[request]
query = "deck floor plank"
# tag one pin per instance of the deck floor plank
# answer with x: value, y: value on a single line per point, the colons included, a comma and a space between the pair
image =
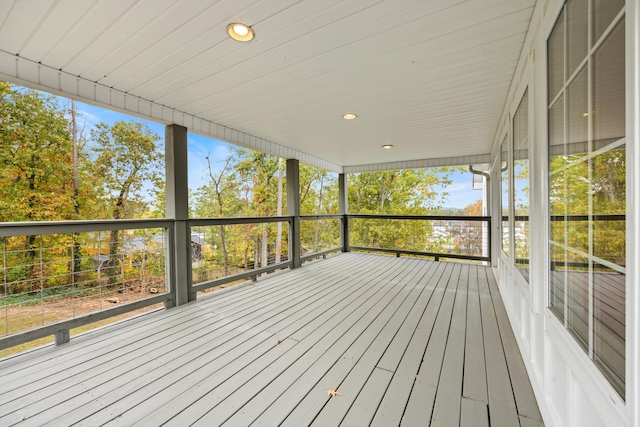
x: 359, y: 358
x: 525, y: 400
x: 475, y: 368
x: 422, y: 399
x: 404, y: 340
x: 406, y: 363
x: 340, y: 325
x: 292, y: 389
x: 502, y: 404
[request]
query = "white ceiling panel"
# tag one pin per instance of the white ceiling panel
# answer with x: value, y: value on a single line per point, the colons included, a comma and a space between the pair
x: 428, y: 76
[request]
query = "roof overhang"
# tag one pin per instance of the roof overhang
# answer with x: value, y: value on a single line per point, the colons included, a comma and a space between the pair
x: 429, y: 77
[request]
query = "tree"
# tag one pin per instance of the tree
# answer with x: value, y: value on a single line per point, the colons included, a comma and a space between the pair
x: 257, y: 172
x: 127, y: 156
x: 36, y: 157
x: 474, y: 209
x: 318, y: 195
x: 35, y: 164
x: 221, y: 184
x: 400, y: 192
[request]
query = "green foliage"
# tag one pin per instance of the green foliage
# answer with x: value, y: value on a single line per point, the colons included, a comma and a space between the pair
x: 35, y: 157
x: 126, y: 157
x: 408, y: 192
x: 402, y: 192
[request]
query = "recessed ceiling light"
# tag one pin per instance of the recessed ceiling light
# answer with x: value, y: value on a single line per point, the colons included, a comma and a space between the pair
x: 240, y: 32
x: 387, y: 146
x: 349, y: 116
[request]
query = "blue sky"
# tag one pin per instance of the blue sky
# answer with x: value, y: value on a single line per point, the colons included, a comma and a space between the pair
x: 460, y: 191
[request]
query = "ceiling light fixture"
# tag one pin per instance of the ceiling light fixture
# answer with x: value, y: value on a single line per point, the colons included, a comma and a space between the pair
x: 349, y: 116
x: 387, y: 146
x: 240, y: 32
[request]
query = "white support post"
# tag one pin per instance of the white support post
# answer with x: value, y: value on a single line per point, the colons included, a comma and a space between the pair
x: 177, y: 206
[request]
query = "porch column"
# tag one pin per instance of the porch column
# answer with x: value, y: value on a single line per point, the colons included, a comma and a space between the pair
x: 177, y: 208
x: 343, y: 209
x: 293, y: 209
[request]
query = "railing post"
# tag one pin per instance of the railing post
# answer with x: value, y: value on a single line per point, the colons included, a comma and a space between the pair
x: 177, y: 208
x: 343, y: 209
x: 293, y: 210
x: 62, y: 336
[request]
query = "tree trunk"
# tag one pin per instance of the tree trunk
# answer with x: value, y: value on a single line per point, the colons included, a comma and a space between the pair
x: 114, y: 241
x: 77, y: 254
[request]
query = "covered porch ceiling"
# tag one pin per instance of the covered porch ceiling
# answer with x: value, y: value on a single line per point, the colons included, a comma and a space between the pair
x: 430, y: 77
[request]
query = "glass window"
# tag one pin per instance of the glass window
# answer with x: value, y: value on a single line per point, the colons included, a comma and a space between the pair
x: 555, y: 58
x: 504, y: 161
x: 604, y: 11
x: 587, y: 194
x: 521, y: 185
x: 577, y: 23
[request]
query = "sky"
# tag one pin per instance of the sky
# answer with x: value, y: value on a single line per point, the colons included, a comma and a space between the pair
x: 460, y: 191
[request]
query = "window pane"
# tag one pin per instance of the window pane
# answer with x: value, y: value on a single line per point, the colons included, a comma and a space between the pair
x: 577, y: 26
x: 504, y: 158
x: 609, y: 197
x: 577, y: 115
x: 578, y: 298
x: 557, y: 275
x: 577, y: 201
x: 609, y: 89
x: 556, y: 135
x: 609, y: 324
x: 555, y: 60
x: 521, y: 185
x: 603, y: 13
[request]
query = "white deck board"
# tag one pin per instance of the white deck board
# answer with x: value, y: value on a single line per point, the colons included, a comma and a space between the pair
x: 404, y: 340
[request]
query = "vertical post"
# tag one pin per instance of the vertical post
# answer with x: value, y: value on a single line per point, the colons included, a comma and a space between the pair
x: 293, y: 209
x: 343, y: 209
x: 177, y: 207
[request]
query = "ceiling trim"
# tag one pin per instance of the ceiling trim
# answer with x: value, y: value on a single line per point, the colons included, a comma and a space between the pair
x: 25, y: 72
x: 424, y: 163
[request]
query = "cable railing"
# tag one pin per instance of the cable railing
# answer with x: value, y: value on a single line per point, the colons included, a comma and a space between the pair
x: 57, y: 276
x: 320, y: 235
x: 227, y: 250
x: 439, y: 237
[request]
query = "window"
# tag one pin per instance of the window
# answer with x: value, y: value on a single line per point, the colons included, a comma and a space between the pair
x: 504, y: 162
x: 521, y: 186
x: 587, y: 194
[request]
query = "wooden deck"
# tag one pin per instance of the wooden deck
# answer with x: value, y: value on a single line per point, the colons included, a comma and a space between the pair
x: 404, y: 341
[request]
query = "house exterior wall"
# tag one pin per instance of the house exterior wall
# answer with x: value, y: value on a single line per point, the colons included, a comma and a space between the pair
x: 570, y: 389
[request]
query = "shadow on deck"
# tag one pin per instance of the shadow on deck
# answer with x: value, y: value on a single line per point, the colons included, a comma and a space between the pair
x: 400, y: 340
